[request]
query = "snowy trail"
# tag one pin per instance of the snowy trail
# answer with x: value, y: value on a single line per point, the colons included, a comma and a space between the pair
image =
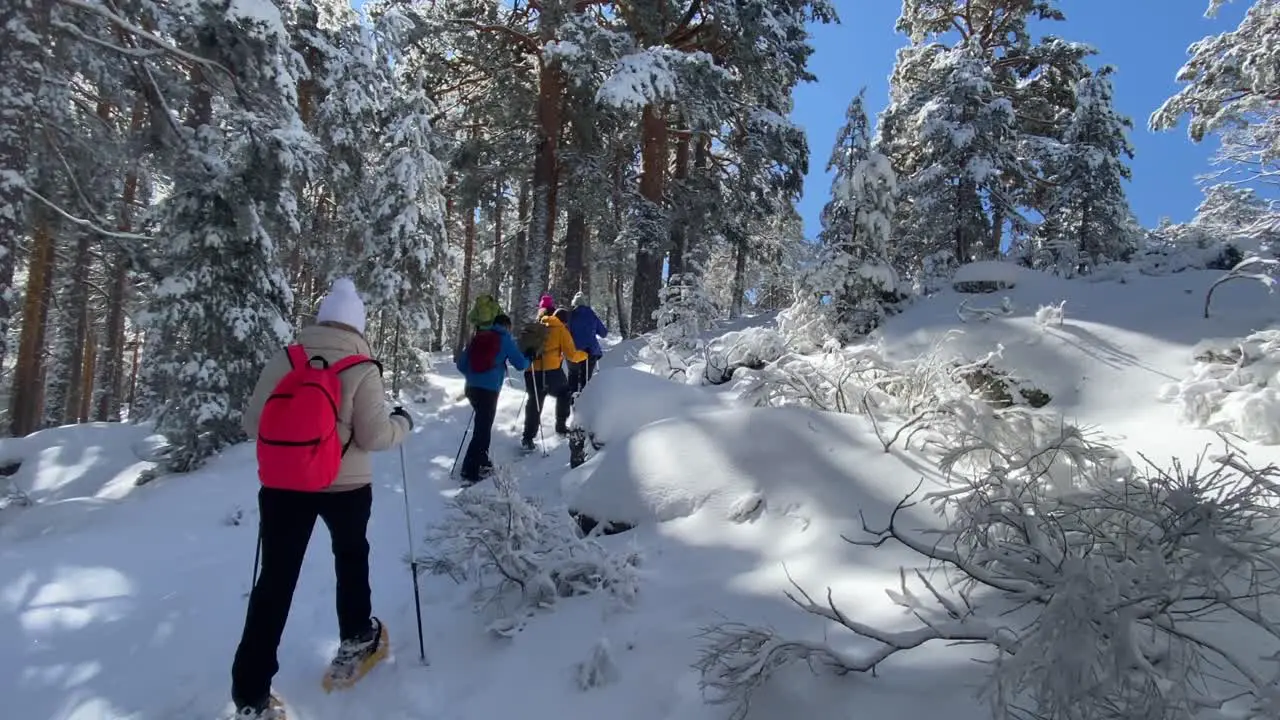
x: 142, y: 621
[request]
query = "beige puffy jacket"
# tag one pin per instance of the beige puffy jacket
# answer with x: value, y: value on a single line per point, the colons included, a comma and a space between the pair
x: 363, y: 407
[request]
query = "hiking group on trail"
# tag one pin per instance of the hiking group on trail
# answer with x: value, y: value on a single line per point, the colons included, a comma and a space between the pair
x: 317, y: 412
x: 543, y: 347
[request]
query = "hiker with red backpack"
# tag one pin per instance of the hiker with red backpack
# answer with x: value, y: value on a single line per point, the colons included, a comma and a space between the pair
x: 484, y: 365
x: 317, y: 412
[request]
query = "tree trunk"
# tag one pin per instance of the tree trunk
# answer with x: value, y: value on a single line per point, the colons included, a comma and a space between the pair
x: 519, y: 254
x: 138, y: 340
x: 997, y: 234
x: 495, y: 273
x: 464, y: 297
x: 87, y: 368
x: 739, y: 289
x: 542, y: 221
x: 575, y: 250
x: 623, y: 329
x: 680, y: 227
x: 24, y: 409
x: 111, y: 368
x: 24, y: 30
x: 652, y: 240
x: 77, y: 309
x: 437, y: 317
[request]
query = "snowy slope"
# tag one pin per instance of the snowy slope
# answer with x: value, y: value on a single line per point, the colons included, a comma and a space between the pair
x: 133, y: 610
x: 1117, y: 346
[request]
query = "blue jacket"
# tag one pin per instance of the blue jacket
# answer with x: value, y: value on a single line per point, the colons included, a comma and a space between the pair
x: 492, y: 378
x: 585, y: 325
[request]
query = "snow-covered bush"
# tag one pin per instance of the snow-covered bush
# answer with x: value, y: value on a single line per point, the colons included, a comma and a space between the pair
x: 1052, y: 314
x: 1233, y: 387
x: 1102, y: 598
x: 673, y: 362
x: 806, y: 326
x: 599, y: 669
x: 749, y: 348
x: 683, y: 312
x: 521, y: 556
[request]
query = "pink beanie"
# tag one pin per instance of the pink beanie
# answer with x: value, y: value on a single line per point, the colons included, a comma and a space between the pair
x: 547, y: 303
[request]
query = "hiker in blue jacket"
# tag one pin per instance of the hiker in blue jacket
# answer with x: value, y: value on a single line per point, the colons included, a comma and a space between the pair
x: 586, y: 328
x: 484, y: 365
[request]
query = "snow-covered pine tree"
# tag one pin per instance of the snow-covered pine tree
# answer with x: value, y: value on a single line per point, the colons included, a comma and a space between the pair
x: 1088, y: 221
x: 1036, y: 78
x: 402, y: 248
x: 854, y: 272
x: 219, y: 313
x: 1231, y: 91
x: 953, y: 139
x: 24, y: 29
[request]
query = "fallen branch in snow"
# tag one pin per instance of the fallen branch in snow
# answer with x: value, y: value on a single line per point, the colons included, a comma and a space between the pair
x: 1097, y: 588
x: 510, y: 546
x: 966, y: 313
x: 1238, y: 273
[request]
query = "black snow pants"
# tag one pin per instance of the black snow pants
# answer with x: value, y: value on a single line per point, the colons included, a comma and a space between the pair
x: 485, y: 404
x: 539, y: 384
x: 580, y: 373
x: 287, y: 518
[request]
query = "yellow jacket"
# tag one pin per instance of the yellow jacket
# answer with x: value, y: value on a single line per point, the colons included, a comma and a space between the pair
x: 559, y: 345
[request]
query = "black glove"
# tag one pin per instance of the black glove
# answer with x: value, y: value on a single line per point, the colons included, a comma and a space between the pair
x: 402, y: 413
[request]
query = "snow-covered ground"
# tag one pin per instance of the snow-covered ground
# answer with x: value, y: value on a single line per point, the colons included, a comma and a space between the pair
x: 119, y: 601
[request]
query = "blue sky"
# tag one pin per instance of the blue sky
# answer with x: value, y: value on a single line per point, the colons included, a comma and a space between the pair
x: 1146, y: 41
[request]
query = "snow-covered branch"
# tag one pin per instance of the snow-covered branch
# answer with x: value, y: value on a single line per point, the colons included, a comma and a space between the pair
x: 521, y: 556
x: 1097, y: 587
x: 1246, y: 269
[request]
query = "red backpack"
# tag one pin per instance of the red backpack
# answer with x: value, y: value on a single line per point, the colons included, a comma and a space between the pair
x: 482, y: 354
x: 298, y: 446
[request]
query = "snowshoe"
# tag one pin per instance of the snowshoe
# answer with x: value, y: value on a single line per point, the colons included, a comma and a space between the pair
x: 272, y: 709
x: 527, y: 445
x: 356, y: 657
x: 595, y: 444
x: 562, y: 429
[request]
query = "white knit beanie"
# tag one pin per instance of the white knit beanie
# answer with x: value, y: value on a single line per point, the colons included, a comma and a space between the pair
x: 342, y: 305
x: 579, y: 300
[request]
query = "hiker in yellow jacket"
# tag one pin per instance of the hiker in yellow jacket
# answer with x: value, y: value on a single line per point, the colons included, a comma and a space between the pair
x: 546, y: 376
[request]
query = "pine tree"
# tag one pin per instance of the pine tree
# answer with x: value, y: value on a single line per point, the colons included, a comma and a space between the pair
x: 1088, y: 222
x: 854, y: 270
x: 953, y: 162
x: 219, y: 313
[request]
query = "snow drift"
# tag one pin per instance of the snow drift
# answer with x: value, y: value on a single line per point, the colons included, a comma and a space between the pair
x: 618, y: 401
x: 733, y: 465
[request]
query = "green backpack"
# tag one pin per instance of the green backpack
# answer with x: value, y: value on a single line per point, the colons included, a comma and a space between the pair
x: 532, y: 338
x: 485, y: 309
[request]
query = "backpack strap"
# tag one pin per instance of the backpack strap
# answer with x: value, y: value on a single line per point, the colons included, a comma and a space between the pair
x: 347, y: 363
x: 351, y: 361
x: 297, y: 356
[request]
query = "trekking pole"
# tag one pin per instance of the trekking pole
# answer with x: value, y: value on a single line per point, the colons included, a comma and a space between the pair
x: 537, y: 405
x: 465, y: 430
x: 257, y: 555
x: 404, y: 489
